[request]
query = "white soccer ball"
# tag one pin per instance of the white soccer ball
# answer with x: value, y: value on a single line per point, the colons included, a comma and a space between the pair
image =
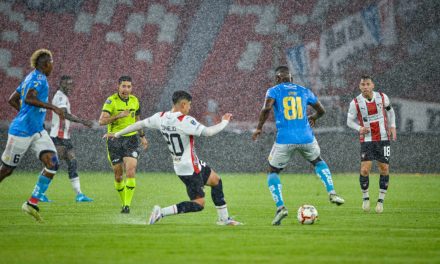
x: 307, y: 214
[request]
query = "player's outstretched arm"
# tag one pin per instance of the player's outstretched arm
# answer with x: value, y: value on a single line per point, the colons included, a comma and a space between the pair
x: 31, y: 99
x: 215, y: 129
x: 76, y: 119
x: 14, y: 100
x: 141, y: 133
x: 134, y: 127
x: 264, y: 115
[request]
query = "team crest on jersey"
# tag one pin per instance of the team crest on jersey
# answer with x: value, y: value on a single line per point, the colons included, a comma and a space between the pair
x: 40, y: 77
x: 193, y: 122
x: 134, y: 154
x: 108, y: 101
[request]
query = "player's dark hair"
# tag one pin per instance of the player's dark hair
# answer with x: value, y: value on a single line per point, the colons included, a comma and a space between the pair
x: 124, y: 78
x: 281, y: 68
x: 366, y: 77
x: 282, y: 74
x: 181, y: 95
x: 65, y: 78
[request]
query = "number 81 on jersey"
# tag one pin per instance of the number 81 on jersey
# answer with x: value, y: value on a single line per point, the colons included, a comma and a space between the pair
x: 292, y: 108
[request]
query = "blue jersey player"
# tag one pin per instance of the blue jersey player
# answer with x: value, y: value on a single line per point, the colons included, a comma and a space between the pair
x: 294, y: 133
x: 26, y: 131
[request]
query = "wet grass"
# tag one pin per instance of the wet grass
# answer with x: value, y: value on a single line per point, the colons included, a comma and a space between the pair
x: 407, y: 232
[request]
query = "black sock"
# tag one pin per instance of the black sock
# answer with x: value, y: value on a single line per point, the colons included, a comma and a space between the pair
x: 72, y: 166
x: 383, y: 182
x: 187, y: 207
x: 364, y: 181
x: 217, y: 194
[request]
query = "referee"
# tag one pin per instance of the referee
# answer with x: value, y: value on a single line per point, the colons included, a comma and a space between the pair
x: 119, y: 111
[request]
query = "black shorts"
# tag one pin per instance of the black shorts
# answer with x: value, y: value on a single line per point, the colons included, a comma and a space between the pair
x: 119, y: 148
x: 195, y: 183
x: 376, y: 150
x: 61, y: 142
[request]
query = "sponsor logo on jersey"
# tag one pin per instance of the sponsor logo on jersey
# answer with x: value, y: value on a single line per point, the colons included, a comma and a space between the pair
x: 193, y: 122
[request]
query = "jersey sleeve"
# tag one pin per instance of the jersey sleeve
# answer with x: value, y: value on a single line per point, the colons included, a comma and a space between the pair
x: 152, y: 121
x: 191, y: 126
x: 352, y: 109
x: 271, y: 94
x: 59, y: 101
x: 386, y: 100
x: 108, y: 106
x: 311, y: 98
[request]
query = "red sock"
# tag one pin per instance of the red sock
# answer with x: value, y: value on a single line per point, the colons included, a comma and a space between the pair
x: 33, y: 200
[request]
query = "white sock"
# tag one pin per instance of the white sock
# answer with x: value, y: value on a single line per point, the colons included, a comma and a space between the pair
x: 365, y: 194
x: 222, y: 212
x: 76, y: 185
x: 382, y: 194
x: 170, y: 210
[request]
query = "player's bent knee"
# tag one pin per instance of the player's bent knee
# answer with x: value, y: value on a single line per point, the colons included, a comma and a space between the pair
x: 200, y: 202
x: 53, y: 164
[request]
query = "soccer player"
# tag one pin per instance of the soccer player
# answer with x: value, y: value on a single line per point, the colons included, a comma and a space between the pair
x: 178, y: 130
x: 119, y: 111
x: 376, y: 125
x: 26, y: 131
x: 60, y: 134
x: 294, y: 133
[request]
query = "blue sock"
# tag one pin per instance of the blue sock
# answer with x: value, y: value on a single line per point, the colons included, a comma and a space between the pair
x: 273, y: 180
x: 322, y: 170
x: 41, y: 186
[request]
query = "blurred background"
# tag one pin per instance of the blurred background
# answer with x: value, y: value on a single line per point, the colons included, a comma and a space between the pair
x: 224, y: 53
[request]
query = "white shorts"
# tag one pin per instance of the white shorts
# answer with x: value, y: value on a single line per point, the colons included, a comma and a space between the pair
x: 281, y: 154
x: 17, y: 147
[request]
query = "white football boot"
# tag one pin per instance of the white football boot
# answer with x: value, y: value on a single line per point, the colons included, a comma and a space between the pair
x: 379, y: 207
x: 366, y: 204
x: 32, y: 210
x: 280, y: 215
x: 228, y: 222
x: 155, y: 215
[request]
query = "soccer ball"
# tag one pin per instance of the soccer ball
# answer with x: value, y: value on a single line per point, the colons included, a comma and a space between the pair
x: 307, y: 214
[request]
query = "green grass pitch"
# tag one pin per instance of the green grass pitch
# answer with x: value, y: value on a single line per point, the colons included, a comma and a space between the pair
x: 407, y: 232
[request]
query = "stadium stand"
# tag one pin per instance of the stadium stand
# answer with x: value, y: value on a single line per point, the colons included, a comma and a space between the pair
x: 95, y: 42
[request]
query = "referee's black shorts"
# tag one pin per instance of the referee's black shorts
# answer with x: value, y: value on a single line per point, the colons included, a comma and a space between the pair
x: 119, y: 148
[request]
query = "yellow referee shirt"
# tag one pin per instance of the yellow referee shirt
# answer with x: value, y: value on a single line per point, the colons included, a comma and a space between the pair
x: 114, y: 105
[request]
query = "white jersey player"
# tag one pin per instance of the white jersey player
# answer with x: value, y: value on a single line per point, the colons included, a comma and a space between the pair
x: 60, y: 126
x: 376, y: 125
x: 179, y: 130
x: 60, y: 134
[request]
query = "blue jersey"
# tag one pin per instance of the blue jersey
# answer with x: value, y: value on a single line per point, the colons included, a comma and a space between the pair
x: 290, y: 111
x: 30, y: 119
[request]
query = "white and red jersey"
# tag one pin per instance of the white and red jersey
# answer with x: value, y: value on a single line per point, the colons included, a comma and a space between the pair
x: 371, y: 114
x: 60, y: 127
x: 178, y: 131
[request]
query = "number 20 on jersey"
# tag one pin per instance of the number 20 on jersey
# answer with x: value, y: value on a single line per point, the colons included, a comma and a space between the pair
x: 292, y: 108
